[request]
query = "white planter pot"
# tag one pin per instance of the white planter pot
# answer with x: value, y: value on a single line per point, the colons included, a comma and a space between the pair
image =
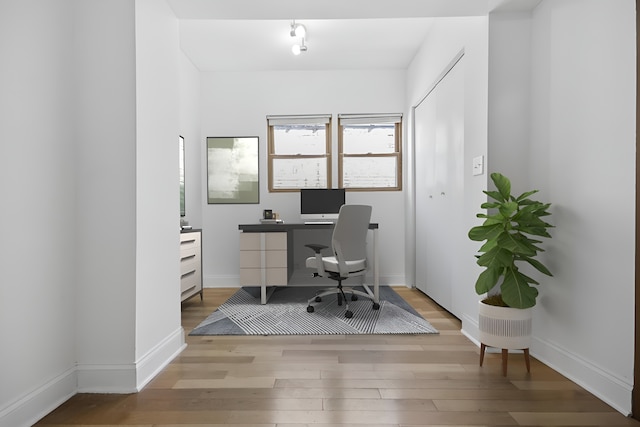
x: 505, y: 327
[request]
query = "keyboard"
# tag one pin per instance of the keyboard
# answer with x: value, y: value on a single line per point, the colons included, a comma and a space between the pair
x: 317, y: 222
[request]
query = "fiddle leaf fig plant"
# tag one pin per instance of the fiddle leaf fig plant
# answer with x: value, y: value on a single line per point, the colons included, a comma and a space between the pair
x: 510, y: 234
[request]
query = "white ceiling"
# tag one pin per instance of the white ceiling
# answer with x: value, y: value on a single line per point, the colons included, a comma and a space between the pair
x: 249, y: 35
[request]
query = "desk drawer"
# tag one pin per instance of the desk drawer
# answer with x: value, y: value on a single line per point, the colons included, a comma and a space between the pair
x: 273, y: 276
x: 253, y: 259
x: 190, y: 280
x: 189, y: 252
x: 189, y: 240
x: 272, y: 241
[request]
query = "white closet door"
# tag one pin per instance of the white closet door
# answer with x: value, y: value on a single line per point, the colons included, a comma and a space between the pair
x: 439, y: 149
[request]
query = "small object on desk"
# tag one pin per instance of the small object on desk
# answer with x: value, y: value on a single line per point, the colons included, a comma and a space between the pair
x: 267, y: 214
x: 271, y: 221
x: 186, y: 227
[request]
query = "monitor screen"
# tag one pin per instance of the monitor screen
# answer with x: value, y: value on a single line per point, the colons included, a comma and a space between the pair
x: 321, y: 203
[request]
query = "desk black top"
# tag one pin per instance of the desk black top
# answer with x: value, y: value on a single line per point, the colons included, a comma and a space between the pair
x: 267, y: 228
x: 190, y: 230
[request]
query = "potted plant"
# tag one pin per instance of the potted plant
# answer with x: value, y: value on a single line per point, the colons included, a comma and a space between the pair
x: 510, y: 233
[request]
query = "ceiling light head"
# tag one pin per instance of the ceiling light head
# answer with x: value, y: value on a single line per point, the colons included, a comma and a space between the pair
x: 297, y: 30
x: 298, y: 48
x: 300, y: 31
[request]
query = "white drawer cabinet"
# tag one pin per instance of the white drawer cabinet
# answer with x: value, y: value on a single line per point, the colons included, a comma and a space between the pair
x: 190, y: 264
x: 263, y: 259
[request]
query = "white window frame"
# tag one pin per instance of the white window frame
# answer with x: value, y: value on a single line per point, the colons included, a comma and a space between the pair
x: 272, y: 156
x: 396, y: 155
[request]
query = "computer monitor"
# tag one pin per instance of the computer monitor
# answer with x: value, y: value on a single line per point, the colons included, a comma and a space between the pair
x: 321, y: 204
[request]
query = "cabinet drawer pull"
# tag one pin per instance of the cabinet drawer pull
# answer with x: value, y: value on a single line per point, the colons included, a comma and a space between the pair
x: 188, y: 289
x: 188, y: 273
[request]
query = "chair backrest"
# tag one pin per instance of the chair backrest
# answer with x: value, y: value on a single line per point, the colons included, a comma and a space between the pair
x: 350, y: 232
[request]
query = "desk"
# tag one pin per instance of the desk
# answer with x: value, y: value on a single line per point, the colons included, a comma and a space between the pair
x: 267, y: 254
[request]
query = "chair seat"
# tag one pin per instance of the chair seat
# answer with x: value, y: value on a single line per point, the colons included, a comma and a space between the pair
x: 331, y: 265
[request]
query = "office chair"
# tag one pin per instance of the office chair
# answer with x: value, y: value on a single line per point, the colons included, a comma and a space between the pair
x: 349, y: 258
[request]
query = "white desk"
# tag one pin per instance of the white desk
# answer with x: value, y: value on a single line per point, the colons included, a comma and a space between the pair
x: 266, y: 259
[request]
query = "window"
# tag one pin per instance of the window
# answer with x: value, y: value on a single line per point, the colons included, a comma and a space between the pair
x: 299, y: 152
x: 369, y: 147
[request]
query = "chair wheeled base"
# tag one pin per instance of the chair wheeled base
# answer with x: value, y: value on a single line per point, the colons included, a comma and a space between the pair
x: 342, y: 293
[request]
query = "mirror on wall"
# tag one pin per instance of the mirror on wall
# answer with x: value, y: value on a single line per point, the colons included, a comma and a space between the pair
x: 181, y: 154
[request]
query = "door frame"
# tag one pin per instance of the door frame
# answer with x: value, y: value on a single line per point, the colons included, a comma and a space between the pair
x: 635, y: 394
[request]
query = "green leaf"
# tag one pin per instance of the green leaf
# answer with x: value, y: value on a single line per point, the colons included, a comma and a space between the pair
x: 535, y: 231
x: 523, y: 196
x: 488, y: 245
x: 495, y: 258
x: 514, y: 243
x: 508, y: 208
x: 516, y: 291
x: 487, y: 280
x: 490, y: 205
x: 538, y: 266
x: 495, y: 195
x: 502, y: 184
x: 483, y: 232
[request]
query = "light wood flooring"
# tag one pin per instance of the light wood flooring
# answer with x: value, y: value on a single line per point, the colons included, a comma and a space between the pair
x: 373, y: 381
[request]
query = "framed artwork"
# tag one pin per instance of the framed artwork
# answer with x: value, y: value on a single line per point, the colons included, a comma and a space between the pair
x: 232, y: 170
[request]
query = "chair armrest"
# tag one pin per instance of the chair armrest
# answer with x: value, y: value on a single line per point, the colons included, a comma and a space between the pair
x: 317, y: 248
x: 319, y: 262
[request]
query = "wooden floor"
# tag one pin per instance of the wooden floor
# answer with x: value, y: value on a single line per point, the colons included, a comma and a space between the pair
x: 373, y: 381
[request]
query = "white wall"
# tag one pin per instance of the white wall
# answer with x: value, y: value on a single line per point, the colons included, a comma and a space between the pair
x: 509, y: 123
x: 105, y: 157
x: 159, y: 334
x: 190, y: 129
x: 236, y: 104
x: 37, y: 183
x: 583, y: 159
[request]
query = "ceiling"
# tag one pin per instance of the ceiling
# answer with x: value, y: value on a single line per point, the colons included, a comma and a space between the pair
x: 251, y: 35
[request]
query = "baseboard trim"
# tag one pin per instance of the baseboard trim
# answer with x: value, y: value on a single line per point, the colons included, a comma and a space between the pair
x: 130, y: 377
x: 119, y: 379
x: 606, y: 386
x: 33, y: 406
x: 159, y: 357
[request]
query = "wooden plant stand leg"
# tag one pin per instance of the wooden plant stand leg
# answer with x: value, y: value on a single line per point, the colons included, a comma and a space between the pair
x: 505, y: 357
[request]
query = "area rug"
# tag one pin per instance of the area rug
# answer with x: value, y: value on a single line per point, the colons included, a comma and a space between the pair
x: 286, y: 314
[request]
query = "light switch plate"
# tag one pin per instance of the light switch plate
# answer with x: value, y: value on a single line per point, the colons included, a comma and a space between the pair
x: 478, y: 165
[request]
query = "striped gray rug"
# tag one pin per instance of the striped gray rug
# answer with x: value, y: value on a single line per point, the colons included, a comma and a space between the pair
x: 286, y: 314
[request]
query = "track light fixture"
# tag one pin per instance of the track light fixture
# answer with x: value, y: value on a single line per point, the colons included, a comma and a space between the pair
x: 298, y: 48
x: 298, y: 31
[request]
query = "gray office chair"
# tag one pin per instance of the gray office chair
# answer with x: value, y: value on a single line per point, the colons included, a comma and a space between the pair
x: 349, y: 245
